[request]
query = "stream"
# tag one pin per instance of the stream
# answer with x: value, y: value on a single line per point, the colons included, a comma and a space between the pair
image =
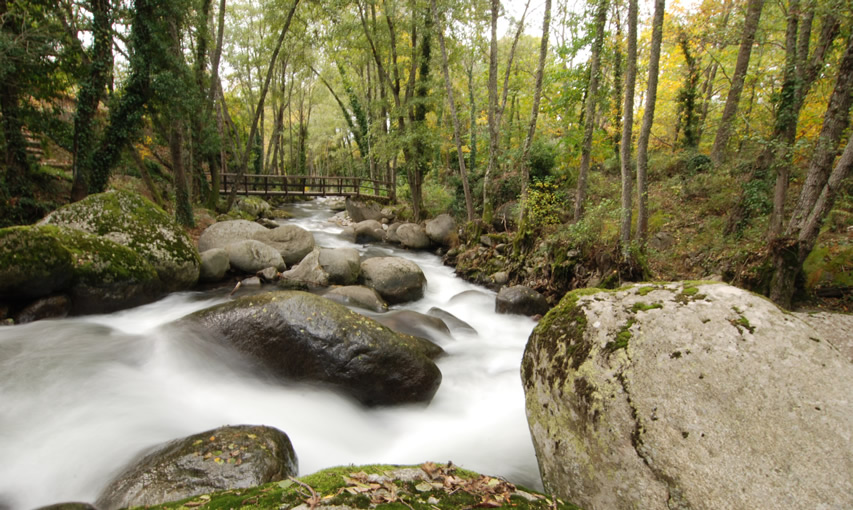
x: 81, y: 397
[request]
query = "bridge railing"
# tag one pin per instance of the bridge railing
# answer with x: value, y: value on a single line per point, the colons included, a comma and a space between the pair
x: 302, y: 185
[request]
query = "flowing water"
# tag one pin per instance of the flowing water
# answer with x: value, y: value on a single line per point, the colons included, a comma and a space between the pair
x: 82, y: 397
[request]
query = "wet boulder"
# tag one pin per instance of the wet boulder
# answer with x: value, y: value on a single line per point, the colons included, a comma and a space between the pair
x: 442, y: 230
x: 358, y: 296
x: 452, y: 321
x: 343, y: 265
x: 223, y: 233
x: 303, y: 337
x: 369, y: 231
x: 309, y: 271
x: 414, y: 323
x: 521, y: 300
x: 359, y: 210
x: 214, y: 264
x: 51, y: 307
x: 686, y: 395
x: 396, y: 279
x: 412, y: 235
x: 231, y: 457
x: 133, y: 221
x: 251, y: 256
x: 292, y: 242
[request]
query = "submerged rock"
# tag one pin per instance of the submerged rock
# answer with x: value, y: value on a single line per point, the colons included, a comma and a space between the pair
x: 358, y: 296
x: 414, y: 323
x: 300, y: 336
x: 521, y: 300
x: 230, y: 457
x: 699, y: 396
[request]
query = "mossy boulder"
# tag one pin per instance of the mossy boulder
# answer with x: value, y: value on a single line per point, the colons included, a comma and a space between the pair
x: 33, y: 262
x: 256, y: 207
x: 689, y: 395
x: 135, y: 222
x: 300, y: 336
x: 98, y: 274
x: 231, y: 457
x: 381, y: 487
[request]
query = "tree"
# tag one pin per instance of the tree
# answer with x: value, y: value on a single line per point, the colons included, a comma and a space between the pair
x: 818, y: 192
x: 627, y: 126
x: 589, y: 116
x: 753, y: 14
x: 469, y: 205
x: 648, y: 118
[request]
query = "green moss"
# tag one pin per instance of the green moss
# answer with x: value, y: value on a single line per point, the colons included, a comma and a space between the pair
x: 645, y: 289
x: 644, y: 307
x: 622, y: 338
x: 33, y: 261
x: 742, y: 322
x: 99, y: 261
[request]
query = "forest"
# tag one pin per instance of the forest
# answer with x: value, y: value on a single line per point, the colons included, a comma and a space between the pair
x: 718, y: 126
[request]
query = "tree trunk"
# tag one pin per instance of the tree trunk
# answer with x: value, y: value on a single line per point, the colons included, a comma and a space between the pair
x: 592, y: 99
x: 648, y: 118
x: 463, y: 175
x: 753, y: 14
x: 91, y: 92
x: 493, y: 112
x: 818, y: 191
x: 534, y: 114
x: 254, y: 127
x: 627, y: 126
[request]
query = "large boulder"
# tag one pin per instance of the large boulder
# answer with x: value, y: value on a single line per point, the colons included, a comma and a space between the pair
x: 135, y: 222
x: 520, y: 300
x: 343, y: 265
x: 256, y: 207
x: 220, y: 235
x: 251, y: 256
x: 358, y: 296
x: 300, y: 336
x: 412, y: 235
x: 396, y: 279
x: 368, y: 231
x: 291, y: 241
x: 231, y: 457
x: 98, y: 274
x: 359, y: 211
x: 698, y: 396
x: 309, y: 271
x: 442, y: 230
x: 214, y: 264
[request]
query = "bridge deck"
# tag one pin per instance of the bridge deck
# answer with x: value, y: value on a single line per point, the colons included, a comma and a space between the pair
x: 305, y: 186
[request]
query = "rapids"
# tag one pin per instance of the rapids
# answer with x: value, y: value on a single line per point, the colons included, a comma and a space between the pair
x: 82, y: 397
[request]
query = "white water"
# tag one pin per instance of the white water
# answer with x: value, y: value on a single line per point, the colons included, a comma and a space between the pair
x: 81, y: 397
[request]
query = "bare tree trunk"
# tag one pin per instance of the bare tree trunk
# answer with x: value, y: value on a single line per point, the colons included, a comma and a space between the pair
x: 534, y: 113
x: 493, y: 112
x: 254, y: 128
x: 648, y: 118
x: 753, y: 14
x: 469, y: 205
x: 627, y: 126
x: 589, y: 126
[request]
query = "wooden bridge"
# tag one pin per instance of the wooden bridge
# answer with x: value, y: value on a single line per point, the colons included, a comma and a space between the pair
x: 305, y: 186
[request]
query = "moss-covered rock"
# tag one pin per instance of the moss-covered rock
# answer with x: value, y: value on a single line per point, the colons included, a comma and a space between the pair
x: 33, y: 262
x: 425, y: 487
x: 231, y: 457
x: 256, y: 207
x: 135, y: 222
x: 98, y: 274
x: 300, y: 336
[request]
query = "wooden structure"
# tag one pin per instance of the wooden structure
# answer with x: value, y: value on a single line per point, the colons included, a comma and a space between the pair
x: 305, y: 186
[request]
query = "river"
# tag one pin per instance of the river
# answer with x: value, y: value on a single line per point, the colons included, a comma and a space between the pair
x: 82, y: 397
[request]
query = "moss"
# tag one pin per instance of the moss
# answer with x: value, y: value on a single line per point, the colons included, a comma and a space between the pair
x: 645, y: 289
x: 33, y: 261
x: 622, y: 338
x: 742, y: 322
x: 99, y: 261
x: 446, y: 487
x: 644, y: 307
